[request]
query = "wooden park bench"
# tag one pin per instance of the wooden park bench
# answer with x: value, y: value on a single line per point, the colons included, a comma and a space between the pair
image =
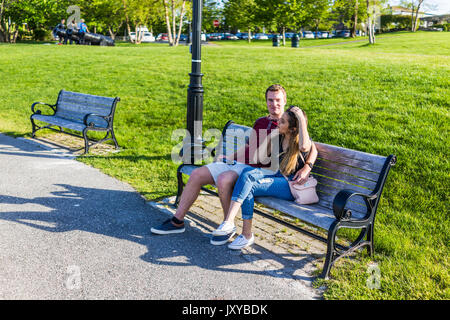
x: 350, y: 184
x: 79, y: 112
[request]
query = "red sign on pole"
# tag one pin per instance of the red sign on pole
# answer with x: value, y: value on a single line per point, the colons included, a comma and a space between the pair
x: 216, y: 23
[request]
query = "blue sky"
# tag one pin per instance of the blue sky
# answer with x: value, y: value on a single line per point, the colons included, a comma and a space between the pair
x: 443, y: 6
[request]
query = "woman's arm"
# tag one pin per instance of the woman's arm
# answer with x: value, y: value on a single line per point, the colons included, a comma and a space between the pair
x: 302, y: 175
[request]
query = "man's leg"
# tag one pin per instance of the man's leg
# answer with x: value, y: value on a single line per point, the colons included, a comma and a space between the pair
x: 225, y: 185
x: 199, y: 177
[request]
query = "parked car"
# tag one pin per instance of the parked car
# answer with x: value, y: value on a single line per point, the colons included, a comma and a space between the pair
x: 261, y: 36
x: 215, y: 36
x: 321, y: 34
x: 229, y: 36
x: 148, y: 37
x: 342, y: 33
x: 162, y: 37
x: 243, y: 36
x: 289, y: 35
x: 308, y: 35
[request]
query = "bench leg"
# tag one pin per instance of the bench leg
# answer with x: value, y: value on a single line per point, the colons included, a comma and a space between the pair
x: 329, y: 260
x: 33, y: 129
x: 370, y: 249
x: 180, y: 187
x: 113, y: 136
x: 86, y: 142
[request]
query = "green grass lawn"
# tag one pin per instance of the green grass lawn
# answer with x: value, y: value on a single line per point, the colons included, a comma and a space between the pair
x: 390, y: 98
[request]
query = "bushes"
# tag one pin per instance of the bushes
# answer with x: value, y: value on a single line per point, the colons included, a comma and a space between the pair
x: 42, y: 35
x: 398, y: 22
x: 444, y: 26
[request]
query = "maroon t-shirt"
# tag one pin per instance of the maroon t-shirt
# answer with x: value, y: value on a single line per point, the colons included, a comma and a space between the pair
x: 263, y: 126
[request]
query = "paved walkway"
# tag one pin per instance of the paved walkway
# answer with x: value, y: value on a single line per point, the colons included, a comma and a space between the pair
x: 68, y: 231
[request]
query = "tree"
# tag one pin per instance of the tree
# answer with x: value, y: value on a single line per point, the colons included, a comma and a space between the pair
x: 373, y: 7
x: 317, y: 13
x: 172, y: 10
x: 141, y: 13
x: 350, y: 12
x: 414, y: 6
x: 240, y: 14
x: 104, y: 15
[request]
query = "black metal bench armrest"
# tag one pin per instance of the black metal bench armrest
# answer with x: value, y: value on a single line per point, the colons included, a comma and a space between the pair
x: 85, y: 119
x: 52, y: 106
x: 341, y: 199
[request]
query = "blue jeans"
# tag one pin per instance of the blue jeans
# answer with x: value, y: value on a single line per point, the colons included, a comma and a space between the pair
x: 252, y: 182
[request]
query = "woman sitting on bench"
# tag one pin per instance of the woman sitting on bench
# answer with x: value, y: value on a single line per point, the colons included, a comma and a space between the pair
x: 295, y: 145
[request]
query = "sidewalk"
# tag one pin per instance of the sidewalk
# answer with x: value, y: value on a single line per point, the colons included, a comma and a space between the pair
x: 69, y: 231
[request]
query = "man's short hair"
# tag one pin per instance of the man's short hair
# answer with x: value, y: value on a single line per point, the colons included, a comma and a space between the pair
x: 275, y: 88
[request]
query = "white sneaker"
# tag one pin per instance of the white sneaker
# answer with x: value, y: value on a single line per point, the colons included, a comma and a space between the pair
x: 224, y: 229
x: 241, y: 242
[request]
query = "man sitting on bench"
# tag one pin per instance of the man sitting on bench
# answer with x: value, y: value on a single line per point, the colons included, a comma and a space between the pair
x: 224, y: 175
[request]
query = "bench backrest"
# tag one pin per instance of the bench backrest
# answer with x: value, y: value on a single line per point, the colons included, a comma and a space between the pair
x: 74, y: 106
x: 335, y: 169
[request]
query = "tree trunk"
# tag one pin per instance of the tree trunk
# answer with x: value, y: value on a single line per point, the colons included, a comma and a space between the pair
x: 370, y: 27
x: 355, y: 21
x: 127, y: 19
x: 416, y: 17
x: 284, y: 36
x: 169, y: 31
x: 181, y: 23
x: 249, y: 35
x: 173, y: 24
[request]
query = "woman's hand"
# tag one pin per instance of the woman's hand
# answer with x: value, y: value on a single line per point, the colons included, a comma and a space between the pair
x: 302, y: 175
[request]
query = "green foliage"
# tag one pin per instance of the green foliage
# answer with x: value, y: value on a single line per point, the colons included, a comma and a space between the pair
x: 389, y: 21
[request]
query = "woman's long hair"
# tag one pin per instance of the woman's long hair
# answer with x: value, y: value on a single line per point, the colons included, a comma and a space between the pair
x: 291, y: 155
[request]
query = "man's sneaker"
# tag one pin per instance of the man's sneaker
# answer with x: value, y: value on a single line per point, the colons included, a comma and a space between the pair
x: 224, y: 229
x: 241, y: 242
x: 168, y: 227
x: 219, y: 239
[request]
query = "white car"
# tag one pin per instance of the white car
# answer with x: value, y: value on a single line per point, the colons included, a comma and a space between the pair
x: 308, y: 35
x: 148, y: 37
x: 261, y: 36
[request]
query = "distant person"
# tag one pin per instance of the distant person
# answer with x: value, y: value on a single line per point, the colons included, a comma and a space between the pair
x: 82, y: 29
x: 60, y: 27
x: 71, y: 29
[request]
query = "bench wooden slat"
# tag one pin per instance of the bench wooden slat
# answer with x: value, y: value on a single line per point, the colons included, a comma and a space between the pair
x: 350, y: 157
x: 86, y: 98
x: 329, y: 165
x: 312, y: 214
x: 319, y: 172
x: 83, y: 108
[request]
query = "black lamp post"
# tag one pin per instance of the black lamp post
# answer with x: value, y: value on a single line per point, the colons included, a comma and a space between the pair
x: 194, y: 116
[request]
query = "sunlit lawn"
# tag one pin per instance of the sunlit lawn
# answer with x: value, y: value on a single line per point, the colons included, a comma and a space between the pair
x: 391, y: 98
